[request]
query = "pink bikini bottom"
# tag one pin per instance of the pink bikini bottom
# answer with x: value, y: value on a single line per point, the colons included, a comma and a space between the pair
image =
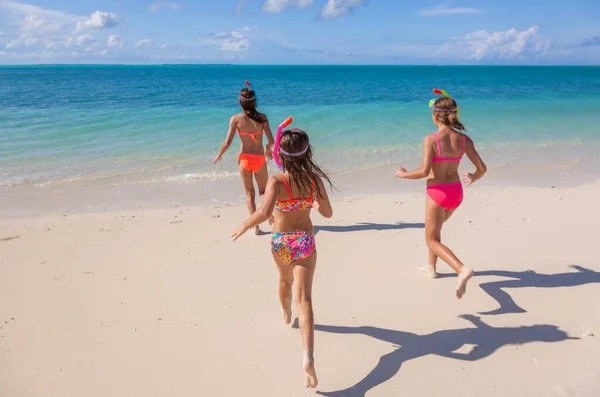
x: 448, y: 196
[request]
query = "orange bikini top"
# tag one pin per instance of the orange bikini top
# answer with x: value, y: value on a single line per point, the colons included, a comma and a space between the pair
x: 250, y: 134
x: 295, y: 204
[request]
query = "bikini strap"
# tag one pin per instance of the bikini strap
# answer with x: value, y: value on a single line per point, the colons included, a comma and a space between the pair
x: 287, y: 187
x: 464, y: 145
x: 439, y: 147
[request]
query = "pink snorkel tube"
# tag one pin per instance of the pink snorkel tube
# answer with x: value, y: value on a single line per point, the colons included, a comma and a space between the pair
x: 287, y: 122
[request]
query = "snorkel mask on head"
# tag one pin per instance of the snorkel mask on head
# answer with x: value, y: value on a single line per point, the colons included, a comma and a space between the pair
x: 445, y: 94
x: 254, y: 97
x: 276, y: 147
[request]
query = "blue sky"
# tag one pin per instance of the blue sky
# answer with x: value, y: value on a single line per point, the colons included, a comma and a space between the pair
x: 300, y: 31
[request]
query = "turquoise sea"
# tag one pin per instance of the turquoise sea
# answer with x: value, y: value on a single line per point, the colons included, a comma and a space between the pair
x: 115, y: 125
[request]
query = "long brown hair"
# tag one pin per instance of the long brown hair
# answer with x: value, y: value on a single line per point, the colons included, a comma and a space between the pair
x: 303, y: 171
x: 248, y: 104
x: 448, y: 113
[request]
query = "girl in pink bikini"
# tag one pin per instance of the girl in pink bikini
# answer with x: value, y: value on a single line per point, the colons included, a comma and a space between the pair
x: 292, y: 194
x: 252, y: 160
x: 442, y: 153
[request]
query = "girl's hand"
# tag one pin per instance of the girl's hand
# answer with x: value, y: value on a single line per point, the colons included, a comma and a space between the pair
x: 315, y: 204
x: 468, y: 179
x: 219, y: 157
x: 400, y: 172
x: 239, y: 232
x: 269, y: 152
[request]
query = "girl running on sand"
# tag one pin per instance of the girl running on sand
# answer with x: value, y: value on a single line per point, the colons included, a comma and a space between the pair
x: 292, y: 195
x: 252, y: 160
x: 442, y: 153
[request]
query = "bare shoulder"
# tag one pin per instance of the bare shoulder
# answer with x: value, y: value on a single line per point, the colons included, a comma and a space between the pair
x: 429, y: 139
x: 468, y: 140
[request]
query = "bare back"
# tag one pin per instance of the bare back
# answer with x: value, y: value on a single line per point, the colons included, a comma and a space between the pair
x: 448, y: 147
x: 299, y: 219
x: 250, y: 132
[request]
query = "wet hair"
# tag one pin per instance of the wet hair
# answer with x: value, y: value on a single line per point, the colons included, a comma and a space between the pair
x: 446, y: 112
x: 248, y: 104
x: 303, y: 171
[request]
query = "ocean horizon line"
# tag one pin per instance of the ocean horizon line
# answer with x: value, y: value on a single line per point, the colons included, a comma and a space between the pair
x: 303, y: 65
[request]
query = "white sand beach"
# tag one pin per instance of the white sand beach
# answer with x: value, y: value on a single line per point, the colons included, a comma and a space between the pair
x: 160, y: 302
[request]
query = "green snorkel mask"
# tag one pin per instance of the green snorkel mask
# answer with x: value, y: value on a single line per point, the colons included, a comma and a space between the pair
x: 445, y: 94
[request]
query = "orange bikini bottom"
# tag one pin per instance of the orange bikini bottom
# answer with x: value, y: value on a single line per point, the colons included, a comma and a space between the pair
x: 252, y: 162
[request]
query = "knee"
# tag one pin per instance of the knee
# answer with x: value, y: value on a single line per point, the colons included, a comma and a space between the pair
x: 431, y: 238
x: 250, y: 194
x: 287, y: 281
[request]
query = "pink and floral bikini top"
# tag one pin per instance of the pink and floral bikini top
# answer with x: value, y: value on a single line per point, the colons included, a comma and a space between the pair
x: 294, y: 204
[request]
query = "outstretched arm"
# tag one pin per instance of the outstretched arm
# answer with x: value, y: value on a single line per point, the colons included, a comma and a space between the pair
x: 228, y: 141
x: 271, y: 140
x: 425, y: 167
x: 263, y: 213
x: 480, y: 166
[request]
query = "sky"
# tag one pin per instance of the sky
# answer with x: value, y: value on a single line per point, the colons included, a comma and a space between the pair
x: 300, y: 31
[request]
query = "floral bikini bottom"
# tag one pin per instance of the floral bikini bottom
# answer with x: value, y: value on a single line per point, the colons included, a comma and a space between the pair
x: 292, y: 246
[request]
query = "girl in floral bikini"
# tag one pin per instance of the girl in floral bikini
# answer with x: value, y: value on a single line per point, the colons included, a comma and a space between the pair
x: 292, y: 195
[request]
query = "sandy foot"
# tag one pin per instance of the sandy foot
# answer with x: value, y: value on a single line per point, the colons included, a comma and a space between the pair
x: 463, y: 277
x: 429, y: 271
x: 310, y: 377
x: 257, y: 230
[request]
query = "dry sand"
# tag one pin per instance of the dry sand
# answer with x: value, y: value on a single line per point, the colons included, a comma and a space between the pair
x: 161, y: 302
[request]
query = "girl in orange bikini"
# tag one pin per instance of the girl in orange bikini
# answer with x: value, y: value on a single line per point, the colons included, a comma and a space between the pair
x: 252, y: 160
x: 442, y: 152
x: 292, y: 195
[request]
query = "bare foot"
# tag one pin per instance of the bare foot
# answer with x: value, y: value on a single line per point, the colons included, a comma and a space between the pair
x: 463, y: 277
x: 310, y: 377
x: 257, y: 230
x: 286, y: 310
x: 429, y: 271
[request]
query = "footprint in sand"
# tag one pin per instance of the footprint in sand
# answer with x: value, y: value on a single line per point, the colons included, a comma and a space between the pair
x: 9, y: 238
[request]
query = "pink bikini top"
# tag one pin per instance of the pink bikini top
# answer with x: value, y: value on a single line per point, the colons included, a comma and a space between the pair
x: 439, y: 159
x: 294, y: 204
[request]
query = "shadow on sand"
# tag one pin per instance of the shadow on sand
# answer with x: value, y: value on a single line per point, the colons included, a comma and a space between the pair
x: 364, y: 226
x: 487, y: 340
x: 531, y: 279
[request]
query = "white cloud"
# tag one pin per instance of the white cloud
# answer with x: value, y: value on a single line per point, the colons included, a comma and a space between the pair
x: 144, y: 43
x: 115, y: 41
x: 22, y: 42
x: 155, y: 7
x: 100, y: 20
x: 335, y: 9
x: 235, y: 41
x: 81, y: 41
x: 38, y: 24
x: 277, y: 6
x: 511, y: 44
x: 443, y: 10
x: 16, y: 8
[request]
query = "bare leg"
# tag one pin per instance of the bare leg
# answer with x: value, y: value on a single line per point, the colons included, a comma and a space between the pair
x: 434, y: 219
x: 262, y: 177
x: 304, y: 271
x: 286, y: 279
x: 431, y: 270
x: 250, y: 193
